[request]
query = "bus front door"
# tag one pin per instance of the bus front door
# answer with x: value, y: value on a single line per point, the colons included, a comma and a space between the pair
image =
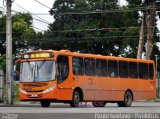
x: 64, y: 82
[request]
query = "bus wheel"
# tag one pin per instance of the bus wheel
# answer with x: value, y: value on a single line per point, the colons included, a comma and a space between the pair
x: 128, y: 98
x: 75, y: 99
x: 99, y: 103
x: 45, y: 103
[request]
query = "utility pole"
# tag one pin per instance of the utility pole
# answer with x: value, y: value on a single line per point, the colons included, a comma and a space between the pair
x: 9, y: 62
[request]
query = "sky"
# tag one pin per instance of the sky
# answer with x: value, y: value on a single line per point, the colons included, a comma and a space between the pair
x: 36, y: 8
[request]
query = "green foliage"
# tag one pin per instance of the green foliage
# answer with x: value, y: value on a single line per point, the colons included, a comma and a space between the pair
x: 77, y: 37
x: 2, y: 24
x: 70, y: 30
x: 26, y: 17
x: 93, y: 41
x: 19, y: 25
x: 110, y: 29
x: 3, y: 61
x: 22, y: 32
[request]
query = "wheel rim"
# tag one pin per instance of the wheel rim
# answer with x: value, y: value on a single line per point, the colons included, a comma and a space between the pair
x: 128, y: 98
x: 76, y: 98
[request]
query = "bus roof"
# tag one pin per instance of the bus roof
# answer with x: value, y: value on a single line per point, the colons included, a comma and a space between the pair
x: 87, y: 55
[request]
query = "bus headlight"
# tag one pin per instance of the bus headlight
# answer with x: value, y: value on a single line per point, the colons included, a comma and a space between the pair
x: 22, y: 91
x: 49, y: 89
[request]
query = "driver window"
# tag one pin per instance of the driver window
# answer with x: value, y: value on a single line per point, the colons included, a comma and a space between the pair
x: 63, y: 68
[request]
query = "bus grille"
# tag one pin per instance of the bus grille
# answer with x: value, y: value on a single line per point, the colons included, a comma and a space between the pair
x: 34, y: 91
x: 28, y: 85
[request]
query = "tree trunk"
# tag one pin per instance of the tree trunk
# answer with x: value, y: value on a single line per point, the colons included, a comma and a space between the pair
x: 150, y: 21
x: 141, y: 39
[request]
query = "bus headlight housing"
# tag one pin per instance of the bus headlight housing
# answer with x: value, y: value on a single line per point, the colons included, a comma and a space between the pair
x: 49, y: 89
x: 22, y: 91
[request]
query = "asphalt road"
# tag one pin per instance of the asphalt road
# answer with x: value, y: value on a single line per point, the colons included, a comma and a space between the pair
x: 64, y: 111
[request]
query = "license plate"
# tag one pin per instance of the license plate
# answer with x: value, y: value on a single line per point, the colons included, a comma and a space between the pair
x: 34, y: 95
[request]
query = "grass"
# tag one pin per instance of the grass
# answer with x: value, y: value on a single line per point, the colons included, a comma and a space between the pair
x: 16, y: 90
x: 16, y: 97
x: 158, y: 99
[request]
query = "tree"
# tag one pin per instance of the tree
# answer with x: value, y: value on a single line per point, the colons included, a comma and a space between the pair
x: 141, y: 39
x: 148, y: 23
x: 22, y: 33
x: 2, y: 61
x: 99, y: 27
x: 77, y: 37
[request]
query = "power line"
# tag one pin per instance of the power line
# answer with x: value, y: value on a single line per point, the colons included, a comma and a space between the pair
x: 31, y: 26
x: 104, y: 11
x: 42, y: 4
x: 93, y: 39
x: 37, y: 28
x: 80, y: 39
x: 111, y: 38
x: 74, y: 39
x: 33, y: 18
x: 41, y: 21
x: 41, y: 14
x: 86, y: 12
x: 32, y: 14
x: 95, y: 29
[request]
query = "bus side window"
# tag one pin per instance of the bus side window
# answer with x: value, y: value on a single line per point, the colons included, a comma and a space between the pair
x: 143, y: 71
x: 123, y: 69
x: 89, y: 67
x: 77, y: 63
x: 133, y: 70
x: 112, y: 68
x: 63, y: 68
x: 101, y: 67
x: 151, y: 71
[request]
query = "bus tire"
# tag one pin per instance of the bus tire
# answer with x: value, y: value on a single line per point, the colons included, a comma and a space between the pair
x: 75, y: 99
x: 99, y: 103
x: 45, y: 103
x: 128, y: 98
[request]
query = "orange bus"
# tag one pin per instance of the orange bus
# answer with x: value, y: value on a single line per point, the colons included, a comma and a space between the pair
x: 70, y: 77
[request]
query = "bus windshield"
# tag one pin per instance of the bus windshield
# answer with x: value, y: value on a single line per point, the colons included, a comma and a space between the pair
x: 37, y: 71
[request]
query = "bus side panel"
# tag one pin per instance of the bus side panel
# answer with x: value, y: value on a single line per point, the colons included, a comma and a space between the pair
x: 88, y: 87
x: 146, y: 89
x: 64, y: 94
x: 107, y: 89
x: 130, y: 84
x: 141, y: 89
x: 116, y: 86
x: 101, y: 89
